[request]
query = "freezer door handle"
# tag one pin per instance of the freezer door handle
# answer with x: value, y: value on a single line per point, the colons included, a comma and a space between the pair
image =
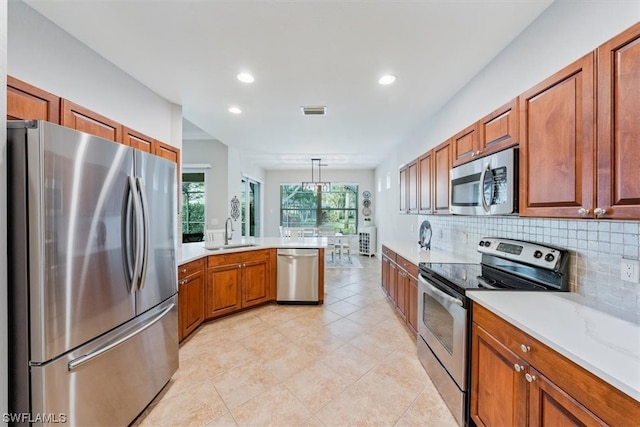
x: 146, y: 242
x: 75, y: 363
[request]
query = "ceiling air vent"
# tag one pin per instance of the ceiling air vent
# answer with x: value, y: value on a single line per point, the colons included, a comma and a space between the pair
x: 314, y: 111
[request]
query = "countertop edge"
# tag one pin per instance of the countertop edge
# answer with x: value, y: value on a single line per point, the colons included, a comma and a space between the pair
x: 188, y: 252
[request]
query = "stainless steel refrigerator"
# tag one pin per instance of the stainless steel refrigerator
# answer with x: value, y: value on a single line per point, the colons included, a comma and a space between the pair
x: 93, y: 329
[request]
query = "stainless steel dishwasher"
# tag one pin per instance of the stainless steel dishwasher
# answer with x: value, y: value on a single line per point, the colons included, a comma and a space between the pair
x: 297, y: 273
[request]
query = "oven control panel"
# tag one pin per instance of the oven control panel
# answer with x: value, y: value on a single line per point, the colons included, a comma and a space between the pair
x: 526, y: 252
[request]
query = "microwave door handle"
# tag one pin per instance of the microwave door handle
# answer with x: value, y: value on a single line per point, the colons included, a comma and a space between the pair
x: 485, y: 205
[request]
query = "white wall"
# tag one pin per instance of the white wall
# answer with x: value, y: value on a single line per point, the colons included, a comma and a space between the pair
x: 364, y: 178
x: 42, y: 54
x: 4, y: 386
x: 563, y: 33
x: 214, y: 153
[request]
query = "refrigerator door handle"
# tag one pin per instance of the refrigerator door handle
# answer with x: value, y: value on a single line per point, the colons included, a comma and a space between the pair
x: 75, y: 363
x: 146, y: 242
x: 138, y: 234
x: 129, y: 221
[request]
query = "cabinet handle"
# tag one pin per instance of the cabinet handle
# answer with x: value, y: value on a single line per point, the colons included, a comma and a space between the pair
x: 583, y: 212
x: 529, y: 377
x: 184, y: 270
x: 599, y: 212
x: 518, y: 368
x: 478, y: 152
x: 525, y: 348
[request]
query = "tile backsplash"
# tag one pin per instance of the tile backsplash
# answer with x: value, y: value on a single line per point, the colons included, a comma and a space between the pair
x: 597, y: 248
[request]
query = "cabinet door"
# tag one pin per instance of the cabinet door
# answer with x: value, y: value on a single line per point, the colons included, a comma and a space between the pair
x: 412, y: 187
x: 166, y: 151
x: 26, y: 102
x: 498, y: 388
x: 499, y: 129
x: 137, y: 140
x: 223, y: 289
x: 403, y: 190
x: 412, y: 304
x: 618, y: 131
x: 79, y: 118
x: 425, y: 171
x: 191, y: 303
x: 557, y: 143
x: 385, y: 274
x: 465, y: 145
x: 551, y: 406
x: 393, y: 280
x: 255, y: 282
x: 402, y: 285
x: 442, y: 165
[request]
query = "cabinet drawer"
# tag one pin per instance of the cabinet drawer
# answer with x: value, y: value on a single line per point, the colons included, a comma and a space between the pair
x: 389, y: 253
x: 190, y: 268
x: 408, y: 266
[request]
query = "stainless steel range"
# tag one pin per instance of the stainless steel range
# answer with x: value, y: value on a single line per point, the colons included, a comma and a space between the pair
x: 443, y: 308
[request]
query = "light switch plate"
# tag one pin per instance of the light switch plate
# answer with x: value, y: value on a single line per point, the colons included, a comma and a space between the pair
x: 630, y: 270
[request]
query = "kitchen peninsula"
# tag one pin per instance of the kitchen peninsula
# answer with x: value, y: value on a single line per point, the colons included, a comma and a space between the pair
x: 216, y: 283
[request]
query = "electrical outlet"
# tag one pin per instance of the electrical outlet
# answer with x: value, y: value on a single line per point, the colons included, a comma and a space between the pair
x: 630, y: 270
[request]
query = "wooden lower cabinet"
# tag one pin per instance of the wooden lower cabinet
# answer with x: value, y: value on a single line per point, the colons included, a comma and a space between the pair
x: 191, y: 286
x: 518, y: 381
x: 238, y: 280
x: 400, y: 283
x: 223, y: 289
x: 412, y: 305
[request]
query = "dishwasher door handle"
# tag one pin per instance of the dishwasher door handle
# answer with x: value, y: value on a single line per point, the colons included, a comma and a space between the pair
x: 299, y: 256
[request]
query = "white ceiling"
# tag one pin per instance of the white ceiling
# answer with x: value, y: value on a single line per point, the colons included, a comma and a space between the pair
x: 305, y: 52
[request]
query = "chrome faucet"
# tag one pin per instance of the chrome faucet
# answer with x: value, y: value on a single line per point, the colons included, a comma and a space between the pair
x: 227, y: 235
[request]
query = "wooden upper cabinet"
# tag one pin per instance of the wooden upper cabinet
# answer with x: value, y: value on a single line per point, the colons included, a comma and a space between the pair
x: 402, y: 181
x: 412, y: 186
x: 137, y: 140
x: 166, y: 151
x: 557, y: 120
x: 618, y: 188
x: 27, y: 102
x: 442, y: 161
x: 425, y: 170
x: 499, y: 130
x: 85, y: 120
x: 465, y: 145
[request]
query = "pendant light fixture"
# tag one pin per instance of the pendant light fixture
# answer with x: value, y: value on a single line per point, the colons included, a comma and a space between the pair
x: 318, y: 185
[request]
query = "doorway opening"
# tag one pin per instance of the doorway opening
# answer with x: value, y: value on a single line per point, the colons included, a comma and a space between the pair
x: 250, y: 197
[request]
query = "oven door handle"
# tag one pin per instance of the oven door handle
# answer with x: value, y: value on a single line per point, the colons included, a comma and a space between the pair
x: 443, y: 295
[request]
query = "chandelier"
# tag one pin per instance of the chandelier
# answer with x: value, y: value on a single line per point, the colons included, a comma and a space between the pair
x: 318, y: 185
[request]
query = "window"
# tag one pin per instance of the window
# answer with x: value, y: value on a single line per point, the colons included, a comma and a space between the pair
x: 337, y: 207
x: 250, y: 199
x: 193, y: 207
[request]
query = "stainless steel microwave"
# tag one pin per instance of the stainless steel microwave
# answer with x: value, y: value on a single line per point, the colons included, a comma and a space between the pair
x: 486, y: 186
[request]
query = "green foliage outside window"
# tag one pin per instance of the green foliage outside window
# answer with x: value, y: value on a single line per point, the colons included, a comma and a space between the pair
x: 193, y: 219
x: 337, y: 207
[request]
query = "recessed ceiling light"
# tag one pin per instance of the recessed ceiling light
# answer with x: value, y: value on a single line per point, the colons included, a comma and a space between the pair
x: 235, y: 110
x: 387, y: 79
x: 245, y: 78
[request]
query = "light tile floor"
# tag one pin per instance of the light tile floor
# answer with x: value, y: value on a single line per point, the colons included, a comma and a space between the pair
x: 349, y: 362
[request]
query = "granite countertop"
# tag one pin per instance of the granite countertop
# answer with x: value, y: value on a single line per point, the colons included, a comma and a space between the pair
x: 603, y: 344
x: 412, y: 252
x: 192, y: 251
